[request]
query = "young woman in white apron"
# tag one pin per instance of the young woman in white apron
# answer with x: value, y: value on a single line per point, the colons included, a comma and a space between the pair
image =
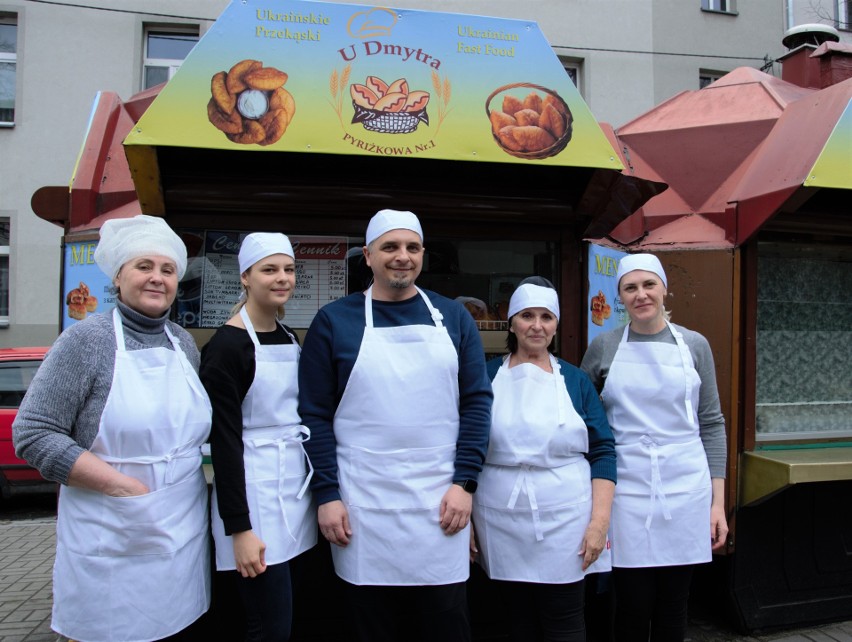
x: 262, y: 511
x: 541, y: 512
x: 121, y: 409
x: 667, y: 515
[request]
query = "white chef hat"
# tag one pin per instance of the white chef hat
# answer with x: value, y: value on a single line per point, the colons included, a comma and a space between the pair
x: 646, y: 262
x: 259, y: 245
x: 386, y: 220
x: 533, y: 296
x: 123, y: 239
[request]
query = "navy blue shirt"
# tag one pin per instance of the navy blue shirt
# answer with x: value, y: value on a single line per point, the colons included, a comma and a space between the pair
x: 329, y: 354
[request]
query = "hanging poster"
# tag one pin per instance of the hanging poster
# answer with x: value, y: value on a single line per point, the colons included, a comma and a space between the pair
x: 605, y: 310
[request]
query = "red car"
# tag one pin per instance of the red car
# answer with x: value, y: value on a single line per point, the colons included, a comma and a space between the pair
x: 17, y: 368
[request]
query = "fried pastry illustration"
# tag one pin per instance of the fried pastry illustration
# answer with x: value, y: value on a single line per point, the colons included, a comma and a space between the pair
x: 249, y: 103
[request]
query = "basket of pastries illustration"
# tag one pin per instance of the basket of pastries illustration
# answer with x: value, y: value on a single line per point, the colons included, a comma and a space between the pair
x: 533, y: 122
x: 388, y: 108
x: 249, y: 103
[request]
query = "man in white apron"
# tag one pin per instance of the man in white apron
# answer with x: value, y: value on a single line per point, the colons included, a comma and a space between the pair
x: 393, y: 388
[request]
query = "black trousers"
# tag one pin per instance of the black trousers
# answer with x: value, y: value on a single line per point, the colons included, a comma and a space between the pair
x: 268, y: 603
x: 651, y: 603
x: 407, y: 613
x: 544, y: 612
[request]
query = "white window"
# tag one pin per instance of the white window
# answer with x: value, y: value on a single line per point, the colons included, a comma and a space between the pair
x: 844, y: 14
x: 722, y: 6
x: 165, y: 51
x: 573, y: 67
x: 8, y: 63
x: 4, y: 272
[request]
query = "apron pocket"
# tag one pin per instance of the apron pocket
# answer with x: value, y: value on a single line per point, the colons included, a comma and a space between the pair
x: 373, y: 479
x: 160, y: 522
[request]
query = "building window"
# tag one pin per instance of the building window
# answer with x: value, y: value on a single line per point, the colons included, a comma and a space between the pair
x: 720, y: 6
x: 4, y: 272
x: 804, y: 339
x: 573, y: 67
x: 844, y: 15
x: 165, y: 51
x: 8, y: 63
x: 708, y: 77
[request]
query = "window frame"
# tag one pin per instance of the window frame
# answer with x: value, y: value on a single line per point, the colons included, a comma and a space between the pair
x: 728, y: 7
x: 571, y: 64
x: 843, y: 9
x: 711, y: 75
x: 11, y: 58
x: 4, y: 252
x: 172, y: 64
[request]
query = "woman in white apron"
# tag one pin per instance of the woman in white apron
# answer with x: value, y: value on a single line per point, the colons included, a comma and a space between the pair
x: 542, y: 509
x: 118, y: 415
x: 658, y: 386
x: 262, y: 512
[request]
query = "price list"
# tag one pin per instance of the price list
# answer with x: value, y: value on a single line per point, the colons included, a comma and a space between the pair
x: 320, y: 277
x: 221, y: 279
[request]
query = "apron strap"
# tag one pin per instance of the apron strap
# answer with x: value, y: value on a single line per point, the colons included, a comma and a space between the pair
x: 524, y: 482
x: 560, y: 391
x: 280, y: 444
x: 686, y: 360
x: 436, y: 315
x: 656, y: 485
x: 253, y: 334
x: 186, y: 451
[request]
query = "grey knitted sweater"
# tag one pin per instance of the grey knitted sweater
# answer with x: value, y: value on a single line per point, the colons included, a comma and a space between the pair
x: 61, y: 412
x: 598, y: 359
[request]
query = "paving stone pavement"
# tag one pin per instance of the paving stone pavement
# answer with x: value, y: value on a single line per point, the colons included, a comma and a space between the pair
x: 26, y: 566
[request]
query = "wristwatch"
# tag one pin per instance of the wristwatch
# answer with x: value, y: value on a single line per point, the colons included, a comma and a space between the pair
x: 468, y: 484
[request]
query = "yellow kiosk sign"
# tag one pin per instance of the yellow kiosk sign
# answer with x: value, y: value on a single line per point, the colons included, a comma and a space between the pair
x: 303, y: 76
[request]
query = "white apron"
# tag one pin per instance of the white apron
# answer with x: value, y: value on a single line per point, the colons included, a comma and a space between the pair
x: 661, y: 509
x: 396, y: 428
x: 138, y: 568
x: 277, y: 468
x: 534, y: 499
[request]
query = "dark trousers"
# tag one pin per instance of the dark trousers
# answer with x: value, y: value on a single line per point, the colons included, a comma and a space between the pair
x: 544, y: 612
x: 651, y: 603
x: 268, y: 603
x: 406, y: 613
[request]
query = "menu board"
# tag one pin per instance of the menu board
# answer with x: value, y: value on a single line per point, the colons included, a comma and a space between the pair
x: 212, y: 285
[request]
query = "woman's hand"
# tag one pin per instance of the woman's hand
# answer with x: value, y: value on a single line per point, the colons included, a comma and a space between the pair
x: 249, y: 553
x: 333, y: 520
x: 594, y: 540
x: 718, y: 520
x: 473, y: 550
x: 93, y: 473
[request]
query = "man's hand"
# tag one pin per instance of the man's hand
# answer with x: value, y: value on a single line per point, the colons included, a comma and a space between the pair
x: 455, y: 509
x: 249, y: 553
x: 333, y: 519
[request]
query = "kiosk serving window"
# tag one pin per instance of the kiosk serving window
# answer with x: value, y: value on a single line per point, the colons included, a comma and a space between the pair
x: 804, y: 339
x: 480, y: 274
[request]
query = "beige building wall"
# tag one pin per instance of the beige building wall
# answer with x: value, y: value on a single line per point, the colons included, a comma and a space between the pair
x: 631, y: 55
